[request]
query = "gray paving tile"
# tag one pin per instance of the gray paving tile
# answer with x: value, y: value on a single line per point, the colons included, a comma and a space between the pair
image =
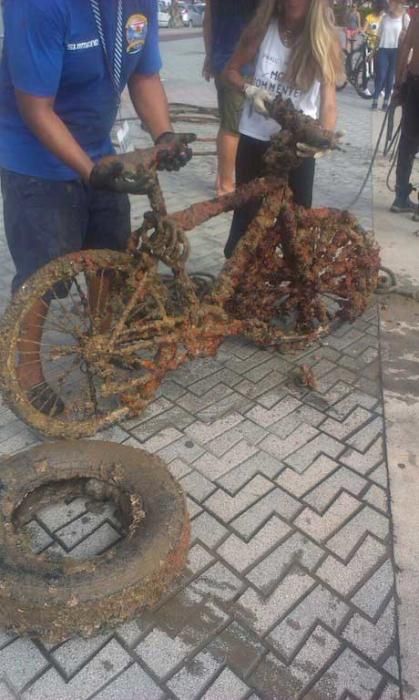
x: 132, y: 684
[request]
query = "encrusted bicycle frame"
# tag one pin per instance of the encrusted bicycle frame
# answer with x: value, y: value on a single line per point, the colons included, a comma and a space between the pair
x: 293, y: 274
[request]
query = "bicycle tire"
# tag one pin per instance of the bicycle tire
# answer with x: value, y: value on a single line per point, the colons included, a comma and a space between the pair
x: 359, y: 82
x: 58, y: 272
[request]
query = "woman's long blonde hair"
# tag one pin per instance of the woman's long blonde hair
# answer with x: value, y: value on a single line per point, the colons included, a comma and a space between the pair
x: 317, y: 53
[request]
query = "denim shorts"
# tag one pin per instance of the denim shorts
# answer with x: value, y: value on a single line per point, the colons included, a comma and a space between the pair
x: 45, y: 219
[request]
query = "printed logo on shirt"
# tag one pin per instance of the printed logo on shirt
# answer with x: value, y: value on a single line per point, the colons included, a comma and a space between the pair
x: 275, y: 82
x: 83, y: 45
x: 136, y: 29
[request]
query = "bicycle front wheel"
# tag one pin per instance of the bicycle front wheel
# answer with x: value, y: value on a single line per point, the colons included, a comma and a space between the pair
x: 364, y: 80
x: 103, y: 343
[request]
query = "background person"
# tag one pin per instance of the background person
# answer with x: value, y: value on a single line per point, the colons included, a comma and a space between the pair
x: 64, y: 67
x: 370, y: 28
x: 352, y: 24
x: 392, y: 29
x: 406, y: 92
x: 224, y: 21
x: 298, y: 55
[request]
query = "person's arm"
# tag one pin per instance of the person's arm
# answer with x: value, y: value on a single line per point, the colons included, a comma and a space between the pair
x: 207, y: 33
x: 243, y: 55
x: 404, y: 51
x: 35, y: 66
x: 38, y: 113
x: 150, y: 103
x: 405, y: 27
x: 328, y: 106
x: 358, y: 19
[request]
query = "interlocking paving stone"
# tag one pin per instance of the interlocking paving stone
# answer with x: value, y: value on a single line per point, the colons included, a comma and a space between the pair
x: 180, y: 629
x: 281, y: 449
x: 375, y: 590
x: 319, y: 605
x: 108, y: 663
x: 31, y: 662
x: 321, y: 444
x: 259, y: 463
x: 266, y: 417
x: 317, y: 651
x: 322, y: 495
x: 345, y: 577
x: 39, y: 537
x: 372, y: 639
x: 132, y: 684
x: 228, y: 507
x: 208, y: 530
x: 363, y: 438
x: 204, y: 432
x: 218, y: 581
x: 349, y: 676
x: 276, y: 502
x: 320, y: 527
x: 299, y: 484
x: 164, y: 438
x: 377, y: 497
x: 392, y: 666
x: 71, y: 655
x: 367, y: 520
x: 261, y: 613
x: 227, y: 685
x: 296, y: 549
x: 194, y: 676
x: 241, y: 555
x: 197, y: 486
x: 6, y: 692
x: 184, y: 449
x: 304, y: 415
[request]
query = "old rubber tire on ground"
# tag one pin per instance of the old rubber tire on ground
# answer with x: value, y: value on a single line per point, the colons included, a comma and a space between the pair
x: 56, y: 598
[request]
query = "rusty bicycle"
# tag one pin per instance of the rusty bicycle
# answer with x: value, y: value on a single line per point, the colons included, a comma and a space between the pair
x: 105, y: 352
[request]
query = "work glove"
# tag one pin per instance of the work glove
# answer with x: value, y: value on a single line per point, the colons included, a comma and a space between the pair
x: 304, y: 150
x: 111, y: 174
x: 259, y: 97
x: 172, y: 150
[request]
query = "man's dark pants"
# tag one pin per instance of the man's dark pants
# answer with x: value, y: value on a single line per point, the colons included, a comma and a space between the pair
x: 45, y: 219
x: 409, y: 137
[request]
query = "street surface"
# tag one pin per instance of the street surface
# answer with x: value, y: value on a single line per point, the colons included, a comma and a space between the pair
x: 290, y: 590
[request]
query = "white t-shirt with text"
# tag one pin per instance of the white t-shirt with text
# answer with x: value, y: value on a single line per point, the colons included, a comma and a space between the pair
x: 390, y: 30
x: 271, y: 67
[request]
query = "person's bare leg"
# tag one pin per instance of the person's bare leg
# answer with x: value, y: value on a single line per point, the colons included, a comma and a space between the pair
x: 29, y: 369
x: 227, y: 143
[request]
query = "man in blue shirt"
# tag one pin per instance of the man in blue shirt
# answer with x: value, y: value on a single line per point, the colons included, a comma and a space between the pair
x: 224, y: 22
x: 64, y: 66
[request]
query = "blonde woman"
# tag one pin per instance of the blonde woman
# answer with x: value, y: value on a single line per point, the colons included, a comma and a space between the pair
x: 295, y: 51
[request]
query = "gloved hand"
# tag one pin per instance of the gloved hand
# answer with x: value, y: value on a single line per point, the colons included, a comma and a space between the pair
x: 172, y: 150
x: 111, y: 174
x: 304, y: 150
x: 259, y: 97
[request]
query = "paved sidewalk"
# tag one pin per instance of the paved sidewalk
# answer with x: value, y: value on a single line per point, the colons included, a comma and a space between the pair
x: 289, y: 591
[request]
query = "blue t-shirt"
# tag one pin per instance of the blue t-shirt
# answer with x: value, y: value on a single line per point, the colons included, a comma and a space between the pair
x: 228, y: 19
x: 52, y: 49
